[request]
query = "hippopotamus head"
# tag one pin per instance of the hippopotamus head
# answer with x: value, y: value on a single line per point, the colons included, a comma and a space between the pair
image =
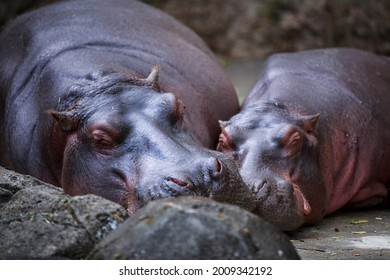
x: 125, y: 140
x: 277, y: 154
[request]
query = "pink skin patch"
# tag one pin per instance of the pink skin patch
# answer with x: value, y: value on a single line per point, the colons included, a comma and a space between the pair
x: 302, y: 200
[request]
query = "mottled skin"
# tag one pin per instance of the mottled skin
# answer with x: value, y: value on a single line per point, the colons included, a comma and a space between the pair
x: 313, y: 135
x: 83, y: 106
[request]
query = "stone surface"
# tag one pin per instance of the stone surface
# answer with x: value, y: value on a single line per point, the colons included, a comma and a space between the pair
x: 39, y: 221
x: 194, y: 228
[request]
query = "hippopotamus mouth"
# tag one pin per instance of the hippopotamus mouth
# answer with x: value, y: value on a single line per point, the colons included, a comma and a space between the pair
x: 306, y: 205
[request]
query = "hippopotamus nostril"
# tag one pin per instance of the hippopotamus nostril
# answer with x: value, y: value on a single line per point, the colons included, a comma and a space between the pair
x: 219, y: 166
x: 261, y: 185
x: 215, y: 168
x: 257, y: 187
x: 176, y: 187
x: 178, y: 182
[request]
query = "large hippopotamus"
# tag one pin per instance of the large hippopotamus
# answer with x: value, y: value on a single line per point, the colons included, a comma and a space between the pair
x: 113, y: 98
x: 313, y: 135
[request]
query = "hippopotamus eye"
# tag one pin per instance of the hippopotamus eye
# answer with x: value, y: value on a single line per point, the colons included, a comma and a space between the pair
x: 104, y: 138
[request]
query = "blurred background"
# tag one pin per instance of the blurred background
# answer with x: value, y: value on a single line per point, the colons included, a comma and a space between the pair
x: 243, y: 33
x: 249, y: 29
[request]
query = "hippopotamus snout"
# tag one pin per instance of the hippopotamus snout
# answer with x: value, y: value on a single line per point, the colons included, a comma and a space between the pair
x: 280, y: 201
x: 196, y: 176
x: 209, y: 174
x: 186, y: 184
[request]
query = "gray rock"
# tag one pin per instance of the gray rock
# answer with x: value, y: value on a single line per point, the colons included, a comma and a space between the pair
x: 194, y: 228
x: 39, y: 221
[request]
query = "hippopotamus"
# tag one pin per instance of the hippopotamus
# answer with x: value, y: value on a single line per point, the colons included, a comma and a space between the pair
x: 313, y: 135
x: 113, y: 98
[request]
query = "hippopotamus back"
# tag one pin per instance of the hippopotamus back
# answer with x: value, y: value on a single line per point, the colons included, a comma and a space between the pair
x: 313, y: 135
x: 76, y: 100
x: 84, y: 36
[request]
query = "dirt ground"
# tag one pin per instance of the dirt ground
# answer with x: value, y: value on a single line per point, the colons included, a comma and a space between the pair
x: 344, y: 235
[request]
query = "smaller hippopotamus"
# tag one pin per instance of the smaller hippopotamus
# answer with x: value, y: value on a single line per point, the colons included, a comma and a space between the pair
x: 313, y: 135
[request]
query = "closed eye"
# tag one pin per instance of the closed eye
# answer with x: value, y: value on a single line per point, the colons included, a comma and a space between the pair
x: 105, y: 135
x: 102, y: 139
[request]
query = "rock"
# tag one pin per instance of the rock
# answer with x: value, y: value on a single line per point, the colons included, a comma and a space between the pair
x: 39, y: 221
x: 194, y: 228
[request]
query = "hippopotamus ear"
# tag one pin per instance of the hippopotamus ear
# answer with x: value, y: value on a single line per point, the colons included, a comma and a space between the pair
x: 65, y: 119
x: 310, y: 123
x: 292, y: 142
x: 222, y: 124
x: 153, y: 80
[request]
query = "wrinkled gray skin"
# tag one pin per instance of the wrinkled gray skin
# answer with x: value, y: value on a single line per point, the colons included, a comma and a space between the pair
x: 313, y: 135
x: 83, y: 106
